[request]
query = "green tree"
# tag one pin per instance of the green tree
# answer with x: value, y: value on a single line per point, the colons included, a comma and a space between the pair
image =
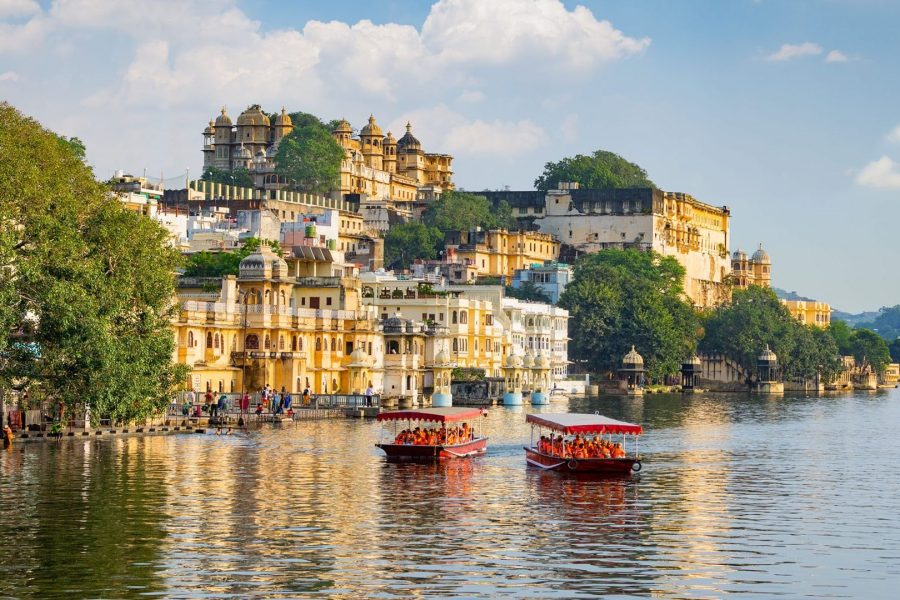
x: 408, y: 241
x: 756, y: 318
x: 894, y: 348
x: 887, y: 323
x: 461, y: 211
x: 620, y: 298
x: 842, y: 335
x: 75, y: 145
x: 310, y: 158
x: 528, y: 291
x: 88, y: 285
x: 239, y: 177
x: 602, y: 169
x: 219, y: 264
x: 870, y: 350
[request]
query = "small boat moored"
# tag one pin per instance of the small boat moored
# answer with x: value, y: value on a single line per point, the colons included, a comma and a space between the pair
x: 572, y: 451
x: 458, y: 435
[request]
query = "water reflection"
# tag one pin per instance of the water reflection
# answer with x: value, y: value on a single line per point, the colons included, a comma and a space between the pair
x: 739, y: 496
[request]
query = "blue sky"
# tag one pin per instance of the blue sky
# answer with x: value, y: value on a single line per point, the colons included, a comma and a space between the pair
x: 785, y: 111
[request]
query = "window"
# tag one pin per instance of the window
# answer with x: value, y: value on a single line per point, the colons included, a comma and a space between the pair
x: 216, y: 342
x: 251, y: 342
x: 328, y: 301
x: 293, y: 343
x: 332, y: 344
x: 348, y: 348
x: 453, y: 318
x: 318, y: 344
x: 463, y: 317
x: 209, y: 339
x: 268, y: 343
x: 281, y: 342
x: 393, y: 347
x: 190, y: 341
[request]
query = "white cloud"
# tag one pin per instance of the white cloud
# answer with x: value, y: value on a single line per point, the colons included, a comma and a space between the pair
x: 836, y: 56
x: 18, y: 8
x: 471, y: 96
x: 883, y: 174
x: 9, y: 76
x: 791, y: 51
x: 497, y: 138
x: 894, y: 134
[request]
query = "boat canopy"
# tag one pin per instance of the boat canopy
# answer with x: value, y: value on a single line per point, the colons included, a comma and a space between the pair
x: 572, y: 423
x: 441, y: 415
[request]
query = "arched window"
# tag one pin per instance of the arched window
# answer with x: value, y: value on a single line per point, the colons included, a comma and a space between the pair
x: 463, y: 317
x: 281, y: 342
x: 209, y: 339
x: 282, y: 297
x: 268, y: 343
x: 455, y: 345
x: 216, y: 341
x: 190, y: 339
x: 318, y: 344
x: 453, y: 318
x: 332, y: 344
x: 293, y: 343
x: 251, y: 342
x: 393, y: 347
x: 300, y: 344
x: 409, y: 382
x: 268, y: 296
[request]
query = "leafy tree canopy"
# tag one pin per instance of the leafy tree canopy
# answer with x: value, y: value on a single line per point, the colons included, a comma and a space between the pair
x: 219, y: 264
x: 86, y: 285
x: 239, y: 177
x: 894, y: 348
x: 602, y: 169
x: 408, y: 241
x: 461, y: 211
x: 309, y: 157
x: 887, y: 323
x: 528, y: 291
x: 842, y: 334
x: 75, y: 145
x: 869, y: 350
x: 756, y: 318
x: 620, y: 298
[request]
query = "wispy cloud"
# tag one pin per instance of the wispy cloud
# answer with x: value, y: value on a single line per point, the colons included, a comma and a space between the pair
x: 9, y: 76
x: 792, y: 51
x: 894, y: 134
x: 883, y: 174
x: 836, y: 56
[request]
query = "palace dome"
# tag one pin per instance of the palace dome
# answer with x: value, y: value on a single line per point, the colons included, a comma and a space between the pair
x: 633, y: 358
x: 528, y: 361
x: 210, y: 129
x: 263, y: 264
x: 767, y: 355
x: 739, y: 255
x: 442, y: 358
x: 284, y: 119
x: 223, y: 120
x: 542, y: 361
x: 371, y: 128
x: 513, y: 361
x: 761, y: 256
x: 245, y: 152
x: 409, y: 141
x: 343, y: 127
x: 389, y: 139
x: 358, y: 358
x: 693, y: 360
x: 253, y: 116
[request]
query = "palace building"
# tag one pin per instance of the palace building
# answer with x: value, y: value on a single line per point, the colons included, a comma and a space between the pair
x: 376, y: 166
x: 756, y: 270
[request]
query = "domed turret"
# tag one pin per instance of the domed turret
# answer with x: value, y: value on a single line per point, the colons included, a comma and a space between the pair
x: 633, y: 359
x: 768, y: 356
x: 210, y: 129
x: 761, y: 256
x: 739, y: 255
x: 263, y: 264
x: 245, y: 152
x: 343, y: 127
x: 442, y: 358
x: 409, y: 142
x: 358, y: 358
x: 542, y: 361
x: 513, y: 361
x: 389, y: 139
x: 284, y: 119
x: 253, y: 116
x: 223, y: 120
x: 528, y: 361
x: 371, y: 129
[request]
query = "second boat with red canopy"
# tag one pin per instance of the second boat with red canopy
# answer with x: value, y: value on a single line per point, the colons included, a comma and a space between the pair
x: 433, y: 433
x: 582, y: 443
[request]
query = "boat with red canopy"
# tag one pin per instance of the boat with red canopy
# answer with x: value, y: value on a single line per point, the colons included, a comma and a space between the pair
x: 433, y: 433
x: 582, y: 443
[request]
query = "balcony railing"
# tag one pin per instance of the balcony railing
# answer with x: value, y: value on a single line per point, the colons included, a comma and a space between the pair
x: 268, y: 309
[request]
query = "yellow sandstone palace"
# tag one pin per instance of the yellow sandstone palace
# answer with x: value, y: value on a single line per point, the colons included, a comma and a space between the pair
x: 375, y: 165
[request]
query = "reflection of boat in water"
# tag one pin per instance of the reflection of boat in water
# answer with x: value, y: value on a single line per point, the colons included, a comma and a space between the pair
x: 568, y: 451
x: 448, y: 442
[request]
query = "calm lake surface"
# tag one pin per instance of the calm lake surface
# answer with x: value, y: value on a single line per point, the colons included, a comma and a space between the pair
x: 739, y: 496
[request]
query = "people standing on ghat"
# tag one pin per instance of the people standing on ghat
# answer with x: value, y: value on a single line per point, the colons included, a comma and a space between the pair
x: 306, y: 395
x: 223, y: 404
x: 7, y: 436
x: 264, y: 395
x: 287, y: 401
x: 369, y: 393
x: 209, y: 402
x: 191, y: 397
x: 245, y: 402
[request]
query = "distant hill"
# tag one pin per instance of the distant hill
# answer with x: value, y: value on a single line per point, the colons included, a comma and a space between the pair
x: 785, y: 295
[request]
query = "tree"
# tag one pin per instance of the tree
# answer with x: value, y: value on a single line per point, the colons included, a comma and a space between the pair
x: 842, y: 335
x: 240, y: 177
x: 528, y: 291
x: 887, y: 323
x: 408, y: 241
x: 461, y: 211
x: 310, y: 158
x: 894, y: 348
x: 601, y: 169
x: 869, y: 350
x: 620, y: 298
x: 87, y: 284
x: 756, y: 318
x: 75, y: 145
x: 219, y: 264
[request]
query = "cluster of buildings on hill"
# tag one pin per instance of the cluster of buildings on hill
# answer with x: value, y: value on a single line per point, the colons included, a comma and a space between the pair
x: 327, y: 316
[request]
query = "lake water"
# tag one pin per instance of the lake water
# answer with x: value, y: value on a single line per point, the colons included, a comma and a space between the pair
x: 739, y: 496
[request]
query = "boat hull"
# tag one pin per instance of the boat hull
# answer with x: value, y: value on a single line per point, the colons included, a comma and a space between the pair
x: 426, y: 453
x: 599, y: 466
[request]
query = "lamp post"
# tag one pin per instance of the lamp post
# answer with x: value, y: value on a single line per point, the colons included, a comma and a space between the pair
x: 242, y: 298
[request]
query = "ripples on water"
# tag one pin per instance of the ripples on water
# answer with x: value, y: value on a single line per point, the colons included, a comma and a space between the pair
x: 739, y: 496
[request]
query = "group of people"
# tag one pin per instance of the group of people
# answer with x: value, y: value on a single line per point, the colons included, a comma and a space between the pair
x: 436, y: 437
x: 580, y: 447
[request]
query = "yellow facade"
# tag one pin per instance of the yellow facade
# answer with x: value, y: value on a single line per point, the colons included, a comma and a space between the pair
x: 756, y: 270
x: 809, y: 312
x: 266, y: 327
x: 499, y: 253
